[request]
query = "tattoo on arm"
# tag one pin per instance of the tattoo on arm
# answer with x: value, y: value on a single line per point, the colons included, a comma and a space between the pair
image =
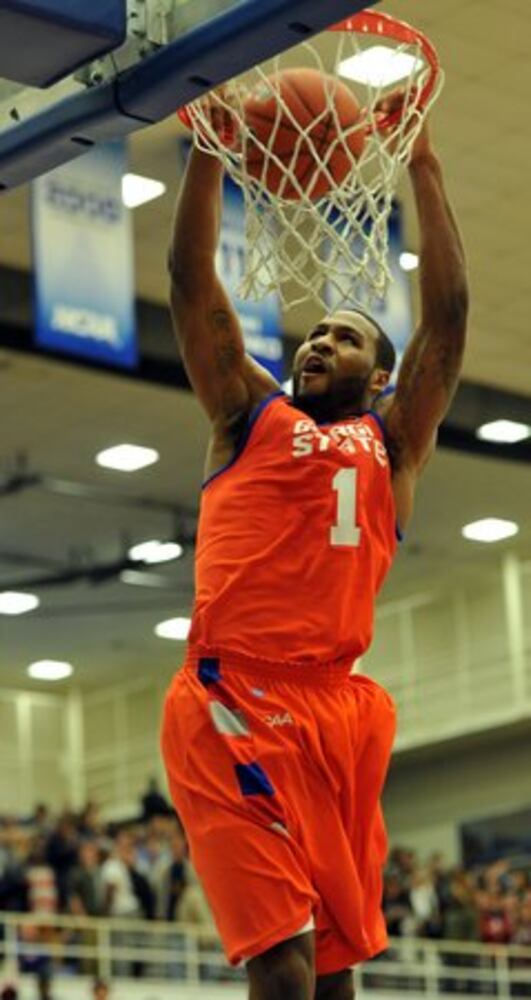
x: 440, y: 362
x: 228, y: 350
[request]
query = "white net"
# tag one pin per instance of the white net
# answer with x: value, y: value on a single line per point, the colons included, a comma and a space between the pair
x: 318, y: 192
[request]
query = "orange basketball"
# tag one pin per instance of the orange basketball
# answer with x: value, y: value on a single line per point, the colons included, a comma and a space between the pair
x: 321, y: 156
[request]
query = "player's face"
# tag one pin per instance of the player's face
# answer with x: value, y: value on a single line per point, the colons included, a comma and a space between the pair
x: 332, y: 369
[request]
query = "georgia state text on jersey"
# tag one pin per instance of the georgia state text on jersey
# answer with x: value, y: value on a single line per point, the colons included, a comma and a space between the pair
x: 295, y: 537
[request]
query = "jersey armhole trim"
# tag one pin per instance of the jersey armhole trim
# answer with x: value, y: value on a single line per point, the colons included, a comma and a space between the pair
x: 377, y: 416
x: 379, y: 420
x: 388, y: 391
x: 253, y: 417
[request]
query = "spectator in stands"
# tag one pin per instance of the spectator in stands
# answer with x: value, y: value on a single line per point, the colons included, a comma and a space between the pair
x: 175, y: 878
x: 424, y: 904
x: 41, y: 821
x: 126, y: 897
x: 120, y: 899
x: 519, y: 882
x: 62, y: 853
x: 86, y: 889
x: 86, y: 897
x: 441, y: 876
x: 522, y: 929
x: 153, y: 802
x: 397, y: 907
x: 460, y: 915
x: 494, y: 922
x: 13, y: 884
x: 40, y: 879
x: 90, y: 824
x: 153, y: 857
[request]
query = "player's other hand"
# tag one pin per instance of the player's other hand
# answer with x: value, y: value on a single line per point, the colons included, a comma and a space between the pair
x: 221, y: 106
x: 388, y: 111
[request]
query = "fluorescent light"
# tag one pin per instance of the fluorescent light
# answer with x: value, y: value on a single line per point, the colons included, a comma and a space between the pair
x: 408, y: 261
x: 50, y: 670
x: 489, y: 529
x: 173, y: 628
x: 379, y: 66
x: 127, y: 457
x: 137, y: 190
x: 155, y: 551
x: 14, y: 603
x: 504, y: 431
x: 139, y: 578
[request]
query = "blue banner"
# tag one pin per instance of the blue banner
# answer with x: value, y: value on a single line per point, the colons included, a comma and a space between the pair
x: 393, y: 311
x: 83, y: 256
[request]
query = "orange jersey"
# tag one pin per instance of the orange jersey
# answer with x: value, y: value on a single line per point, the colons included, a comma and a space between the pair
x: 296, y: 535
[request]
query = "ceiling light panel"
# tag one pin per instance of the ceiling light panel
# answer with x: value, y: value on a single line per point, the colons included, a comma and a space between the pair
x: 127, y: 457
x: 504, y: 431
x: 489, y: 529
x: 379, y: 66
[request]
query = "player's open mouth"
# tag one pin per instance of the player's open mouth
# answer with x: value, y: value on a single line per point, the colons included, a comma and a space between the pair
x: 314, y: 365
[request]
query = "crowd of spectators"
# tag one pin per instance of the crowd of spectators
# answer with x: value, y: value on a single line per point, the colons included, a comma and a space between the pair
x: 79, y: 865
x: 491, y: 904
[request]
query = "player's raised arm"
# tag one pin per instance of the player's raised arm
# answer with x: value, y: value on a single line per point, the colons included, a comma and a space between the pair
x: 226, y: 380
x: 432, y: 362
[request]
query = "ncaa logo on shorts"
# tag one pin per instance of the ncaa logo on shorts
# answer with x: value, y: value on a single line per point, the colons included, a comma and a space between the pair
x: 279, y: 719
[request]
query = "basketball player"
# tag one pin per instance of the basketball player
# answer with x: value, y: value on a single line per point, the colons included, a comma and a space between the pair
x: 276, y: 754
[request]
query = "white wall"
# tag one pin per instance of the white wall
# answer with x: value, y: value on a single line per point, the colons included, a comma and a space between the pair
x: 457, y: 659
x: 426, y: 800
x: 39, y: 750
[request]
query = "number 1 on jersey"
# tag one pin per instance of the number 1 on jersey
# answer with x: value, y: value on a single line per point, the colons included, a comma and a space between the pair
x: 345, y: 531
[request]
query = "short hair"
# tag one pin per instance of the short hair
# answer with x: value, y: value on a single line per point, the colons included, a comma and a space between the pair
x: 385, y: 352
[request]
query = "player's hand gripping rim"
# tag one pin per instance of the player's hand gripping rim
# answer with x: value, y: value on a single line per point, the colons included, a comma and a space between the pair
x: 388, y: 113
x: 220, y: 108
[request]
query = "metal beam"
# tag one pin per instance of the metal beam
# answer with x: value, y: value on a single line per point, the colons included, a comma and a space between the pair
x: 178, y: 72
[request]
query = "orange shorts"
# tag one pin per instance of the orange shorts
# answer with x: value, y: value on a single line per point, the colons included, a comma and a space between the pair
x: 276, y: 772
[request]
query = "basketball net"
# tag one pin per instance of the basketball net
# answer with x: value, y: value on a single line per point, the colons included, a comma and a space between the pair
x: 333, y: 250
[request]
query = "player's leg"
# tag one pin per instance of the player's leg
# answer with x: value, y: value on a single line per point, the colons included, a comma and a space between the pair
x: 253, y: 870
x: 285, y: 972
x: 337, y: 986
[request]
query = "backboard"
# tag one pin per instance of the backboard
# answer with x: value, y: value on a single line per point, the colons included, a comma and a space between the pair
x: 174, y: 51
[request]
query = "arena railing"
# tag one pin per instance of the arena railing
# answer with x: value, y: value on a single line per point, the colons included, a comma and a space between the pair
x: 172, y: 953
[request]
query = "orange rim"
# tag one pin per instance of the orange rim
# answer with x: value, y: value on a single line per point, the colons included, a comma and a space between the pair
x: 369, y: 22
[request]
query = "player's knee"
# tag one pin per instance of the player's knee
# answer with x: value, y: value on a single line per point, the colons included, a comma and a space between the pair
x: 338, y: 986
x: 285, y: 972
x: 289, y: 980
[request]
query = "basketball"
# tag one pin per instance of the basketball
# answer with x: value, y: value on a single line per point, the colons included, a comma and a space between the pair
x: 313, y: 133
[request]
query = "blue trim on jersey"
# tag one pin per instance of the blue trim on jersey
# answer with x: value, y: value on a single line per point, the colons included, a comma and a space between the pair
x: 381, y: 425
x: 209, y: 670
x: 253, y: 417
x: 388, y: 391
x: 379, y: 421
x: 253, y: 780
